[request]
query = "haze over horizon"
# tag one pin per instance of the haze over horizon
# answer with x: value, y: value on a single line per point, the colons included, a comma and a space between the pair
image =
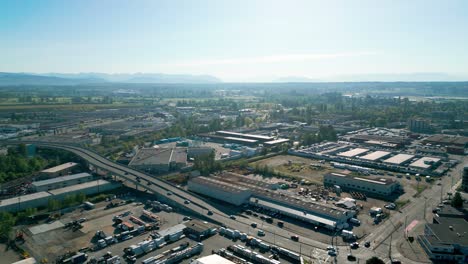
x: 240, y: 41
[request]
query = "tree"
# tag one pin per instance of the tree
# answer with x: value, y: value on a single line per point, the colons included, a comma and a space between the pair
x: 457, y: 201
x: 375, y: 260
x: 7, y: 221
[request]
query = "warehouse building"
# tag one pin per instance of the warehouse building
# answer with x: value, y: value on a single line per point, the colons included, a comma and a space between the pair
x: 200, y: 230
x: 61, y: 182
x: 399, y: 159
x: 372, y: 186
x: 60, y: 170
x: 87, y: 188
x: 446, y: 241
x: 159, y: 160
x: 425, y: 163
x: 318, y: 214
x: 246, y: 136
x: 219, y: 190
x: 41, y: 199
x: 213, y: 259
x: 353, y: 152
x: 375, y: 155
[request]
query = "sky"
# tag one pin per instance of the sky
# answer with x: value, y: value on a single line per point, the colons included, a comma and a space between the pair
x: 236, y: 40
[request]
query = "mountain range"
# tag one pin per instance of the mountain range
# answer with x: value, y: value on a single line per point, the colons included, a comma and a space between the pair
x: 93, y: 78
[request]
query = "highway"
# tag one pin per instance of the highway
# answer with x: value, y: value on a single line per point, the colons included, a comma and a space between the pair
x: 275, y: 235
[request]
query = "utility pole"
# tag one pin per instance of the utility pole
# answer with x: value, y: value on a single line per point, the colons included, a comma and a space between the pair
x: 425, y: 200
x: 404, y: 230
x: 390, y: 247
x: 441, y: 191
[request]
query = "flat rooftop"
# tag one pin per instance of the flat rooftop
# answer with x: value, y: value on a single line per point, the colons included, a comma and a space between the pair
x: 450, y: 231
x: 24, y: 198
x: 260, y: 137
x: 399, y: 159
x: 242, y: 139
x: 424, y: 162
x: 277, y: 141
x: 226, y: 186
x: 213, y: 259
x: 60, y: 167
x: 374, y: 180
x: 293, y: 211
x: 375, y: 155
x: 353, y: 152
x: 61, y: 179
x: 152, y: 156
x: 78, y: 187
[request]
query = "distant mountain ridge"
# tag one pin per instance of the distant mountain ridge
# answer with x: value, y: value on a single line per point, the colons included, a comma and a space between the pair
x: 87, y: 78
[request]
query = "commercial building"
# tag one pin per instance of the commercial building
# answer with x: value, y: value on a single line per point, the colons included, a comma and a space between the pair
x: 369, y: 185
x: 446, y: 141
x: 61, y: 182
x: 87, y: 188
x: 425, y: 163
x: 419, y: 125
x: 213, y: 259
x: 159, y: 159
x: 60, y: 170
x: 376, y: 155
x: 353, y: 152
x: 399, y: 159
x: 243, y: 135
x: 41, y: 199
x: 390, y: 141
x: 446, y: 240
x: 194, y: 152
x: 219, y: 190
x: 23, y: 202
x: 199, y: 230
x: 318, y: 214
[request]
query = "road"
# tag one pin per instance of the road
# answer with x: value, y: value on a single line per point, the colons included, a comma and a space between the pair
x: 275, y: 235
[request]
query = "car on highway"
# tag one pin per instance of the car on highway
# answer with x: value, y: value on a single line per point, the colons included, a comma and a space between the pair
x: 210, y: 212
x: 331, y: 252
x: 261, y: 233
x: 186, y: 202
x: 233, y: 217
x: 254, y: 225
x: 294, y: 238
x: 169, y: 193
x: 280, y: 223
x: 354, y: 245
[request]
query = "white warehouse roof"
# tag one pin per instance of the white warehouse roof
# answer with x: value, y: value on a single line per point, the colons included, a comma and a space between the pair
x: 213, y: 259
x: 353, y: 152
x: 61, y: 179
x: 425, y: 162
x: 375, y: 155
x: 60, y: 167
x: 399, y: 159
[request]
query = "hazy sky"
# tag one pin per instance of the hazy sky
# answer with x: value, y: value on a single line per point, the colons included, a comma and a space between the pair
x: 235, y: 40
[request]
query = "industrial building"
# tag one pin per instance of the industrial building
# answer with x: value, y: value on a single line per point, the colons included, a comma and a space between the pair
x: 87, y: 188
x: 399, y: 159
x: 194, y: 152
x: 375, y: 155
x: 199, y: 230
x: 220, y: 190
x: 41, y: 199
x: 60, y: 170
x: 243, y: 135
x: 369, y: 185
x: 387, y: 141
x: 159, y: 160
x: 353, y: 152
x: 445, y: 140
x: 61, y: 182
x: 425, y: 163
x: 213, y: 259
x: 318, y: 214
x: 237, y: 189
x: 446, y: 240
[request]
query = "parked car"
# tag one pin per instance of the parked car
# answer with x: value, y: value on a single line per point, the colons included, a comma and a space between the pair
x: 367, y: 244
x: 254, y: 225
x: 232, y: 217
x: 261, y: 233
